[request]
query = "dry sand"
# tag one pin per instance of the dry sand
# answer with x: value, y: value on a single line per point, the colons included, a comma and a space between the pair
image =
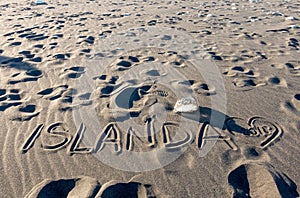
x: 82, y: 81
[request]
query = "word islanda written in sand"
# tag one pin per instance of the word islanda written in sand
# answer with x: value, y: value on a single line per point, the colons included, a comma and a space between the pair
x: 268, y: 132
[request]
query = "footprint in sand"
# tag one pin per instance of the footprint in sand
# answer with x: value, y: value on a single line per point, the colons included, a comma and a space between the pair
x: 27, y: 54
x: 199, y: 87
x: 26, y: 112
x: 247, y: 79
x: 125, y: 62
x: 293, y: 67
x: 293, y: 43
x: 142, y: 56
x: 16, y: 43
x: 18, y: 62
x: 10, y: 98
x: 244, y: 78
x: 107, y: 83
x: 85, y: 187
x: 33, y: 36
x: 15, y: 97
x: 239, y: 71
x: 26, y: 76
x: 73, y: 72
x: 114, y: 189
x: 203, y: 88
x: 110, y: 83
x: 105, y: 34
x: 53, y: 93
x: 277, y: 81
x: 292, y: 107
x: 260, y: 180
x: 76, y: 187
x: 63, y: 96
x: 61, y: 57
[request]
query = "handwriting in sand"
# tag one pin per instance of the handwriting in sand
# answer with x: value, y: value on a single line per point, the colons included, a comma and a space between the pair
x: 111, y: 135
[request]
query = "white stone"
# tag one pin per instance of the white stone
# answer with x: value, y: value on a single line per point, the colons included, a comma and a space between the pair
x: 210, y: 15
x: 186, y: 105
x: 277, y: 13
x: 295, y: 26
x: 290, y: 18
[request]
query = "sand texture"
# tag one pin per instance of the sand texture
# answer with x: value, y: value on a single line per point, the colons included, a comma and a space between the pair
x: 88, y: 90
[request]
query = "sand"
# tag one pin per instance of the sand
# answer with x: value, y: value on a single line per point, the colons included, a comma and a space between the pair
x: 88, y: 90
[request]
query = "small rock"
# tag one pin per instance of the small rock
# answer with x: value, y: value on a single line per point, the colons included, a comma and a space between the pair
x: 277, y: 13
x: 40, y: 2
x: 294, y: 26
x: 186, y: 105
x: 210, y: 15
x: 90, y: 40
x: 290, y: 18
x: 152, y: 22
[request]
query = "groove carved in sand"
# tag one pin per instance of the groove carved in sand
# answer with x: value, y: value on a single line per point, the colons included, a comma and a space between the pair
x: 256, y: 127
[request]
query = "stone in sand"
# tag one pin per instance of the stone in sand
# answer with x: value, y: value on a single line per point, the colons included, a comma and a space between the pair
x: 40, y: 2
x: 186, y: 105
